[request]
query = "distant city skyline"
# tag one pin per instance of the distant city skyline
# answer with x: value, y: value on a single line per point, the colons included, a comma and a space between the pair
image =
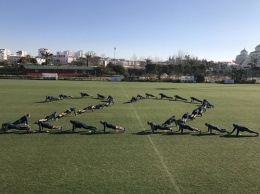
x: 212, y: 30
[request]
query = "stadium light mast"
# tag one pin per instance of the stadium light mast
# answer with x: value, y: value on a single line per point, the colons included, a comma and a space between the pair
x: 114, y: 54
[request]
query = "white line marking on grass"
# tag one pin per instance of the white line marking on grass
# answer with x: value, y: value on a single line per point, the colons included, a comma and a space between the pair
x: 155, y: 149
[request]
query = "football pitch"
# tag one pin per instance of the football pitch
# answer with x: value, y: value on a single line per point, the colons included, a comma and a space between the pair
x: 135, y: 161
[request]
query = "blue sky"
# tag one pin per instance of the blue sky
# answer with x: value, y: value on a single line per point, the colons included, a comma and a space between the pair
x: 212, y: 30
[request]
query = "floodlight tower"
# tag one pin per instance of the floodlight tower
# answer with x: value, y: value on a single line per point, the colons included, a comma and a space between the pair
x: 114, y: 54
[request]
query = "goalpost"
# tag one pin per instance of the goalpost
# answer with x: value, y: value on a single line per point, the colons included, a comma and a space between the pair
x: 50, y: 76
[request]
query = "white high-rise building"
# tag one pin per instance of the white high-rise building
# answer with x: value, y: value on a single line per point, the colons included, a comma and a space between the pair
x: 21, y: 53
x: 255, y: 56
x: 63, y: 57
x: 4, y: 53
x: 244, y: 58
x: 79, y: 54
x: 240, y: 59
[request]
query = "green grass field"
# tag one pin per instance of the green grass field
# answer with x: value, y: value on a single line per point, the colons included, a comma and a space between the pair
x: 134, y: 161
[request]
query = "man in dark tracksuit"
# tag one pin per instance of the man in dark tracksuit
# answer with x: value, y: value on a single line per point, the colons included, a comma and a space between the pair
x: 185, y: 116
x: 91, y: 107
x: 240, y: 128
x: 23, y: 120
x: 8, y: 126
x: 49, y: 117
x: 150, y: 95
x: 179, y: 98
x: 111, y: 126
x: 85, y: 94
x: 184, y: 126
x: 195, y: 99
x: 134, y: 99
x: 139, y: 97
x: 212, y: 127
x: 169, y: 121
x: 99, y: 106
x: 43, y: 125
x: 165, y: 96
x: 63, y: 96
x: 99, y: 96
x: 68, y: 111
x: 77, y: 124
x: 155, y: 127
x: 207, y: 104
x: 50, y: 98
x: 110, y: 100
x: 195, y: 113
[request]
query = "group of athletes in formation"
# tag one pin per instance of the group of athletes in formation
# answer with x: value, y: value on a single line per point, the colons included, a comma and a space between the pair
x: 181, y: 123
x: 22, y: 123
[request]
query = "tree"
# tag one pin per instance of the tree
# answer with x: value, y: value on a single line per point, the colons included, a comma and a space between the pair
x: 46, y: 55
x: 239, y: 74
x: 110, y: 68
x: 101, y: 70
x: 22, y: 60
x: 202, y: 68
x: 148, y: 61
x: 134, y: 59
x: 94, y: 60
x: 179, y: 69
x: 27, y: 59
x: 119, y: 69
x: 151, y: 69
x: 200, y: 79
x: 88, y: 55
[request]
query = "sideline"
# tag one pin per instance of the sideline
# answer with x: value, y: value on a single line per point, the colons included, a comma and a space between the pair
x: 155, y: 149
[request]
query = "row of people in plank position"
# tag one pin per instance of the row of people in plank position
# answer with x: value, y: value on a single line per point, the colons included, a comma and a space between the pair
x: 43, y: 124
x: 198, y: 111
x: 182, y: 122
x: 110, y: 101
x: 154, y: 127
x: 162, y: 96
x: 54, y: 115
x: 82, y: 94
x: 182, y: 125
x: 210, y: 127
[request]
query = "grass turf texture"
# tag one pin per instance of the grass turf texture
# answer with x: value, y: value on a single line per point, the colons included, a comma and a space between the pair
x: 135, y: 161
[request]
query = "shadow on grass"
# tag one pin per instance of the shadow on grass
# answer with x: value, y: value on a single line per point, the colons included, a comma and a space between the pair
x: 197, y: 103
x: 176, y: 133
x: 7, y: 133
x: 205, y: 134
x: 78, y: 97
x: 179, y: 101
x: 28, y: 133
x: 165, y: 88
x: 42, y: 102
x: 112, y: 132
x: 69, y: 132
x: 96, y: 133
x: 149, y: 132
x: 128, y: 102
x: 64, y: 132
x: 239, y: 136
x: 142, y: 133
